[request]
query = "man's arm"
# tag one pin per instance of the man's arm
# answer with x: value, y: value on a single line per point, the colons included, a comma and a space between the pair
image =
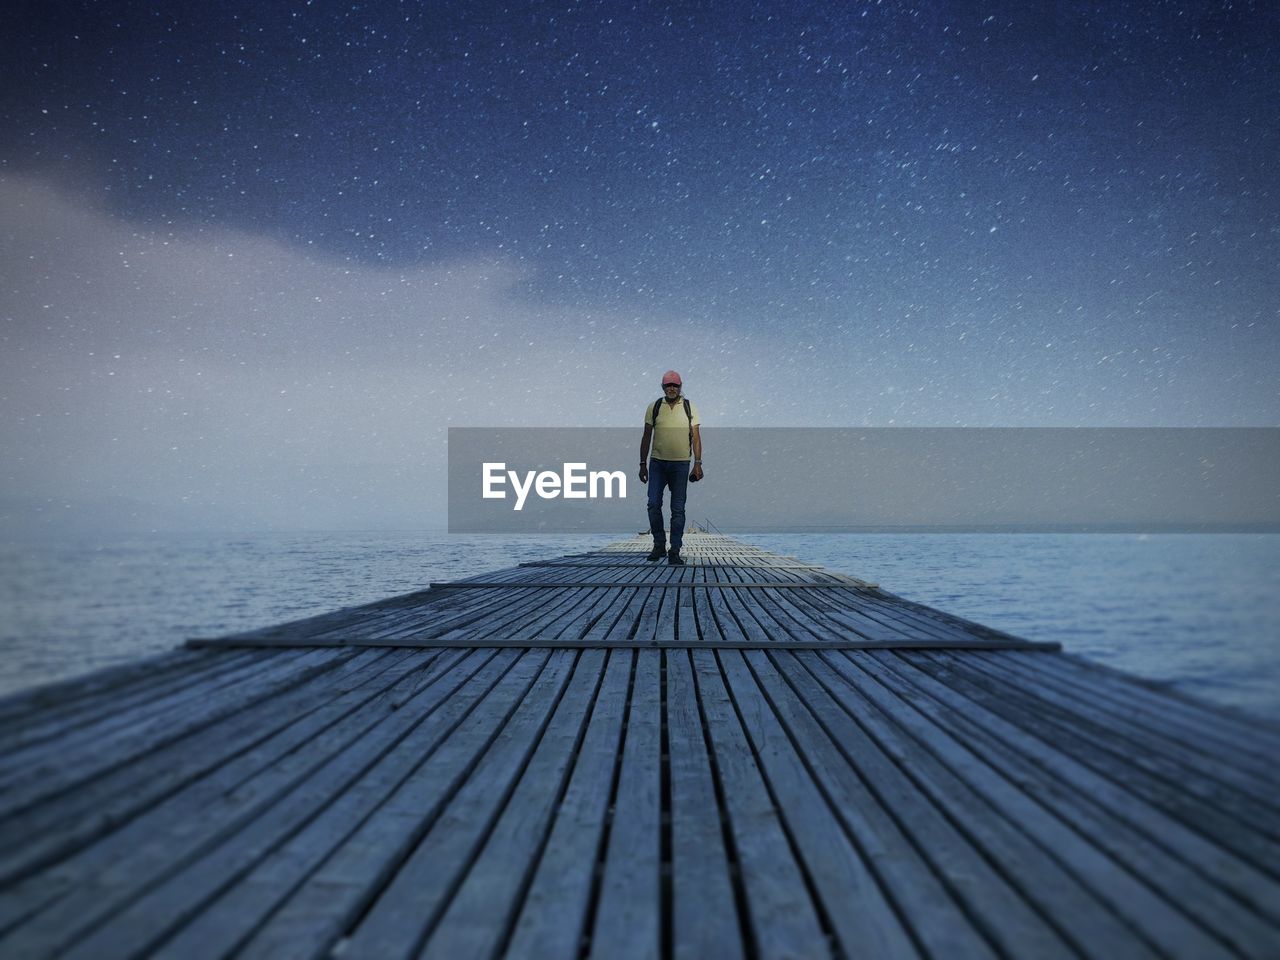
x: 644, y: 452
x: 696, y: 473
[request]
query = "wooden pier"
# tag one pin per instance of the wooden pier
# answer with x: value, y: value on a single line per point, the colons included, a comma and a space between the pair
x: 749, y: 756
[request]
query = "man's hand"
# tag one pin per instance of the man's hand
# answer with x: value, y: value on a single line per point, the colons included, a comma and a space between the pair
x: 696, y: 473
x: 644, y: 473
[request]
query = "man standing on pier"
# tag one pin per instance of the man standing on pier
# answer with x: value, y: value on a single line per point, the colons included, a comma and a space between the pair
x: 671, y: 423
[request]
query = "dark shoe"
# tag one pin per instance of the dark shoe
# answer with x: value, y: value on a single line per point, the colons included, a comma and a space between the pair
x: 674, y: 558
x: 657, y: 553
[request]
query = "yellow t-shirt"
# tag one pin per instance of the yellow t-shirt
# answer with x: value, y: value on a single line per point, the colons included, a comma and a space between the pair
x: 671, y: 433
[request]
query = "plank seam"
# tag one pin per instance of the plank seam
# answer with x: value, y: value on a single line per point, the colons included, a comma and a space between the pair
x: 820, y: 908
x: 202, y: 849
x: 319, y: 765
x: 1001, y: 774
x: 1103, y: 727
x: 478, y: 846
x: 597, y: 879
x: 977, y: 848
x: 630, y: 642
x: 1042, y: 724
x: 267, y: 733
x: 741, y: 902
x: 388, y: 871
x: 666, y: 880
x: 164, y: 739
x: 873, y: 868
x: 1019, y: 757
x: 519, y: 900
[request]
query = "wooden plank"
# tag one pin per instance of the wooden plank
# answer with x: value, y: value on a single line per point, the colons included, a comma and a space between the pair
x: 583, y: 617
x: 624, y: 627
x: 600, y: 620
x: 628, y: 913
x: 47, y: 840
x: 173, y: 697
x: 853, y: 616
x: 55, y: 829
x: 771, y: 603
x: 18, y: 708
x: 399, y: 622
x: 646, y: 626
x: 1199, y: 763
x: 1027, y: 807
x: 478, y: 608
x: 1254, y: 735
x: 401, y: 801
x: 63, y: 770
x: 640, y: 564
x: 776, y: 615
x: 803, y: 616
x: 647, y: 574
x: 703, y: 914
x: 686, y: 620
x: 707, y: 626
x: 725, y: 584
x: 504, y: 617
x: 607, y: 604
x: 844, y: 865
x: 615, y: 637
x: 248, y: 868
x: 867, y: 608
x: 937, y: 619
x: 353, y: 616
x: 666, y: 623
x: 1040, y: 856
x: 511, y: 576
x: 938, y: 878
x: 1158, y: 711
x: 553, y: 917
x: 799, y: 625
x: 481, y: 913
x: 572, y: 621
x: 409, y: 905
x: 814, y: 609
x: 173, y: 849
x: 617, y: 619
x: 545, y: 621
x: 1140, y: 869
x: 782, y: 917
x: 1140, y: 774
x: 57, y: 720
x: 584, y: 583
x: 434, y: 617
x: 749, y: 607
x: 392, y: 616
x: 729, y: 606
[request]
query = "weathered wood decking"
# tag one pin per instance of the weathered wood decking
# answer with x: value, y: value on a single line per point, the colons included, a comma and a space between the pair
x: 747, y: 757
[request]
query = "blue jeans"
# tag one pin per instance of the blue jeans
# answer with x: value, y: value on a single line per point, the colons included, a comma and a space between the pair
x: 663, y: 474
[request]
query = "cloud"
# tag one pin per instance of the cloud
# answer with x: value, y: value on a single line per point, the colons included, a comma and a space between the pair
x: 217, y: 378
x: 156, y: 376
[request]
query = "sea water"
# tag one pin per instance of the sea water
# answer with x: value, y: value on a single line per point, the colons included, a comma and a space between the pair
x: 1201, y: 612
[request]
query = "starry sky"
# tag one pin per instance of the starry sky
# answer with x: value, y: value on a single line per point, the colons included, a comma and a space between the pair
x: 255, y: 258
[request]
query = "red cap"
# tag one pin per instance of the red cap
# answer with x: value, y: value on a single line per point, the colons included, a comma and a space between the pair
x: 672, y: 377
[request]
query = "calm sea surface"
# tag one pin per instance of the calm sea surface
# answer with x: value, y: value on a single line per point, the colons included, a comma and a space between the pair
x: 1199, y: 611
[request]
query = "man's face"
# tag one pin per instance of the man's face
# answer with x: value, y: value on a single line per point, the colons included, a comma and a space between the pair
x: 672, y: 390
